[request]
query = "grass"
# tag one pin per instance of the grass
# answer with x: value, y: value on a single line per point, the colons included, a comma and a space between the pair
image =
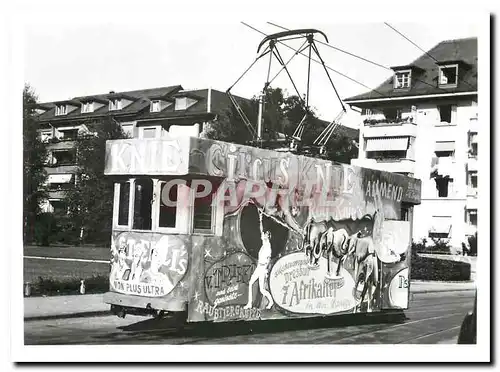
x: 89, y: 253
x: 35, y: 268
x: 57, y: 287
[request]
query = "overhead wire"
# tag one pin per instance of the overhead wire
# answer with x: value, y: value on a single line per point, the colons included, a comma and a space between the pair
x: 427, y: 53
x: 361, y: 58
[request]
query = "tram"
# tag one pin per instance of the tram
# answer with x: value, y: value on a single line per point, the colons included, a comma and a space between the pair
x: 227, y: 232
x: 222, y: 232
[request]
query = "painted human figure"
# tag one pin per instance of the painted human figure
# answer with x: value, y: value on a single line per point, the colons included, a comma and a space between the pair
x: 140, y: 251
x: 261, y: 271
x: 120, y: 259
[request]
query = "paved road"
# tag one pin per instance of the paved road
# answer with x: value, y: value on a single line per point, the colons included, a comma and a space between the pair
x: 432, y: 318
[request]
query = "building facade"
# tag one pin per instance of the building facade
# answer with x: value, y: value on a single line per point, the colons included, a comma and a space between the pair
x: 423, y: 122
x: 149, y: 113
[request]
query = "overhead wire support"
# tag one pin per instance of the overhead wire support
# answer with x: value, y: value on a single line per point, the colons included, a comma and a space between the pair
x: 329, y: 77
x: 271, y: 48
x: 316, y: 61
x: 280, y: 59
x: 284, y: 65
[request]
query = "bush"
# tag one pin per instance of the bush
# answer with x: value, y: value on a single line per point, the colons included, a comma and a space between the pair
x: 424, y: 268
x: 439, y: 246
x: 45, y: 229
x: 54, y: 287
x: 67, y: 231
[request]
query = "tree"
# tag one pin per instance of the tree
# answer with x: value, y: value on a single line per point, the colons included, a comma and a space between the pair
x: 90, y: 203
x: 34, y: 155
x: 281, y: 114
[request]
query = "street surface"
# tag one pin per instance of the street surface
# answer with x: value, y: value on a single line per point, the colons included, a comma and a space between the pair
x: 433, y: 318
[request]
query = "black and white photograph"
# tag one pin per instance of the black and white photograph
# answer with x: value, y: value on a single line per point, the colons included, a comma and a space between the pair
x: 199, y: 178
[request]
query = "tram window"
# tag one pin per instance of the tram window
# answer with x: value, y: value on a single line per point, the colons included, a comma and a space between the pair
x: 203, y: 211
x: 405, y: 213
x: 168, y: 214
x: 142, y: 204
x: 123, y: 204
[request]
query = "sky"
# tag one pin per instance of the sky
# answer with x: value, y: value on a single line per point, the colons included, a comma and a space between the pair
x: 68, y: 59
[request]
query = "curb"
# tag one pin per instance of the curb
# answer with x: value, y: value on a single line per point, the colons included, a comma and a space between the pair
x: 69, y: 316
x: 102, y: 313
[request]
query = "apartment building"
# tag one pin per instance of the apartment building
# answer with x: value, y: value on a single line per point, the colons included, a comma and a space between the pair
x: 148, y: 113
x: 423, y: 122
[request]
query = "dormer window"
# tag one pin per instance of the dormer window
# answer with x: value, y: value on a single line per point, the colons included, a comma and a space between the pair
x: 61, y: 110
x: 87, y: 107
x: 115, y: 104
x: 183, y: 103
x: 402, y: 79
x: 155, y: 106
x: 448, y: 75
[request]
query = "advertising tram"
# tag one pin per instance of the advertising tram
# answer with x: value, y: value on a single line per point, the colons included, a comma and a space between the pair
x: 224, y: 232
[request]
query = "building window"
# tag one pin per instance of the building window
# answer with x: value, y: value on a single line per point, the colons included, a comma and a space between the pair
x: 46, y: 136
x: 445, y: 113
x: 392, y: 114
x: 390, y: 155
x: 473, y: 218
x: 142, y: 204
x: 444, y: 186
x: 402, y: 79
x: 168, y: 213
x: 115, y: 104
x: 440, y: 227
x: 61, y: 110
x: 148, y: 132
x: 444, y: 154
x: 155, y: 106
x: 473, y: 149
x: 183, y: 103
x: 123, y: 206
x: 87, y: 107
x: 448, y: 75
x: 62, y: 157
x: 59, y: 207
x: 473, y: 180
x: 69, y: 134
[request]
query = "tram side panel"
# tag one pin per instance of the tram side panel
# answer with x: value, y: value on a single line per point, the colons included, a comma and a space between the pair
x: 348, y: 257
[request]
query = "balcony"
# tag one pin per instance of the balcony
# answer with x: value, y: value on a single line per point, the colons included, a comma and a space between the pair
x: 61, y: 145
x: 57, y: 194
x: 472, y: 165
x: 384, y: 129
x: 61, y: 169
x: 388, y: 165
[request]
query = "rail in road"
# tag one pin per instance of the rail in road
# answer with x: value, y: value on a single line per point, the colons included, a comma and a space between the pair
x: 431, y: 319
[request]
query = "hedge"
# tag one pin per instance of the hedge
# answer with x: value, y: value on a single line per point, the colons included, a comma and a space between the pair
x: 426, y: 268
x: 54, y: 287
